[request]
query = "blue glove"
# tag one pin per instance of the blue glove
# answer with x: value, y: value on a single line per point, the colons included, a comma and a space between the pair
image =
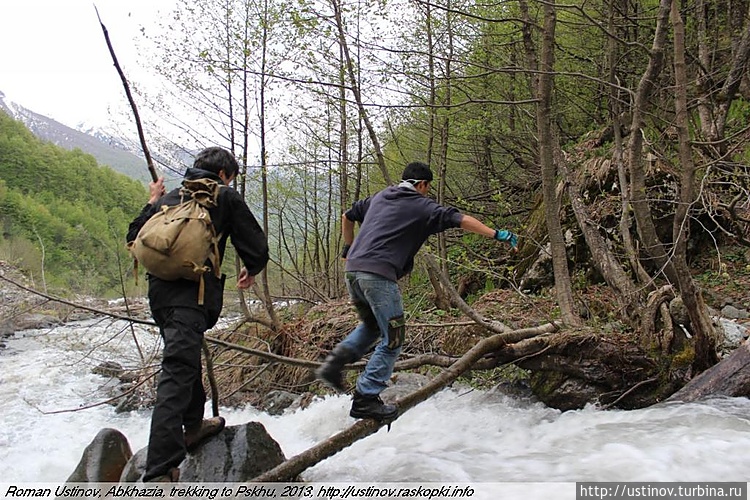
x: 505, y: 235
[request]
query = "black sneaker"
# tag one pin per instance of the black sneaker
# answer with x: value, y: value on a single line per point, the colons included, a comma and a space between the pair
x: 372, y: 407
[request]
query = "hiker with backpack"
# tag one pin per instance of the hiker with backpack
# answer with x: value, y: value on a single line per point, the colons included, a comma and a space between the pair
x: 394, y: 224
x: 184, y: 308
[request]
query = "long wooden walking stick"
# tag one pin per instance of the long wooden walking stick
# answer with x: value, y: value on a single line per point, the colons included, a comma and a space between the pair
x: 155, y: 177
x: 141, y: 136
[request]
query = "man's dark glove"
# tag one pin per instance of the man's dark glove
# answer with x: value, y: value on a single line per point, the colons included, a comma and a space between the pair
x: 345, y: 251
x: 505, y: 235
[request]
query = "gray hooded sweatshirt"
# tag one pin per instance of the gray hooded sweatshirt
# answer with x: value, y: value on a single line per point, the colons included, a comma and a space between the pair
x: 395, y: 223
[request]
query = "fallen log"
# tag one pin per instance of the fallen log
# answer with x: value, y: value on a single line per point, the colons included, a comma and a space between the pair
x: 728, y: 377
x: 294, y: 466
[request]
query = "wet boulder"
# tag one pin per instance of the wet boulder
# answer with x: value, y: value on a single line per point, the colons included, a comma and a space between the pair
x: 237, y: 454
x: 27, y: 321
x: 109, y: 369
x: 103, y: 459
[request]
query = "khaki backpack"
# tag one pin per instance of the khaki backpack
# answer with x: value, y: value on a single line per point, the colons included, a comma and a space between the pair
x: 178, y: 241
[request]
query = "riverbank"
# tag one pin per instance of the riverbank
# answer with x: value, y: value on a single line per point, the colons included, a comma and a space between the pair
x: 310, y: 333
x: 459, y: 435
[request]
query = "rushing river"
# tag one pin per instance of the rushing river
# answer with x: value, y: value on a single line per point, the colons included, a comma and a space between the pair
x: 456, y: 436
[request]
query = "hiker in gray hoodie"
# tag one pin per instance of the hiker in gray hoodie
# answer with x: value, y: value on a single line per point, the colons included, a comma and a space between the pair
x: 394, y: 224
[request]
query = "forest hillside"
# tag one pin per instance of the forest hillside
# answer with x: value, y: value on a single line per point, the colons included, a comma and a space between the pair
x: 63, y: 216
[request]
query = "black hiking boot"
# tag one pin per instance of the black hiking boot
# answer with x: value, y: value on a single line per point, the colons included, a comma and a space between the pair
x: 372, y: 407
x: 330, y: 372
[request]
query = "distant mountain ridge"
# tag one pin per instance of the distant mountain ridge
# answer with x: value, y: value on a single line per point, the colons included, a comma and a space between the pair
x: 108, y: 150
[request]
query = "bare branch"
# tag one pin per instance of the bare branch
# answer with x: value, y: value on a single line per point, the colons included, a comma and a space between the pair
x: 141, y: 135
x: 493, y: 326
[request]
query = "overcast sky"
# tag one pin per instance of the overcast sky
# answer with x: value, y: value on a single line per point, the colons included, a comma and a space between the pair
x: 55, y: 60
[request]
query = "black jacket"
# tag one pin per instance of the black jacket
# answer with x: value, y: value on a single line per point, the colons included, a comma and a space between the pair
x: 233, y: 219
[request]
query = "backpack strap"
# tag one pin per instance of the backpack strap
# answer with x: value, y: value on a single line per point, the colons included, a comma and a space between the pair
x: 206, y: 193
x: 201, y: 290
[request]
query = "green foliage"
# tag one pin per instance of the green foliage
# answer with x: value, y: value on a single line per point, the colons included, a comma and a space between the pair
x: 507, y: 375
x: 731, y: 282
x: 737, y: 120
x: 684, y: 358
x: 64, y: 217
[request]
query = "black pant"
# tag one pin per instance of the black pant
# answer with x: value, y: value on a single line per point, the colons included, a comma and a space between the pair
x: 180, y: 397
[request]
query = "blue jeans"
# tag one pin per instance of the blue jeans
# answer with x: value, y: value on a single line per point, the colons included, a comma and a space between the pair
x: 381, y: 313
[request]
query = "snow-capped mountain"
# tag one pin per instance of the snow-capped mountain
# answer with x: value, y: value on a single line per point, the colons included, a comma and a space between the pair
x: 117, y: 153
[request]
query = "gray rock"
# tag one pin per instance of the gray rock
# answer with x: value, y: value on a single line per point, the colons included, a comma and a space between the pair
x: 539, y: 274
x: 103, y: 459
x: 137, y: 400
x: 35, y: 322
x: 110, y: 369
x: 679, y: 312
x: 237, y: 454
x: 133, y: 470
x: 275, y: 402
x: 731, y: 312
x: 733, y: 334
x: 7, y: 329
x: 302, y: 401
x: 18, y: 323
x: 404, y: 384
x: 568, y: 393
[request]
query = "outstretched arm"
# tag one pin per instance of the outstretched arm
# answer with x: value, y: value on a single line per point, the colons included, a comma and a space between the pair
x: 469, y: 223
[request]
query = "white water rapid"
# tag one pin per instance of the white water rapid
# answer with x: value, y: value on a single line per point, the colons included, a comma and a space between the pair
x: 459, y: 436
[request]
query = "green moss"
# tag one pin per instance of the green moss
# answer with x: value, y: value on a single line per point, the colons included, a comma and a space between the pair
x: 546, y: 383
x: 684, y: 358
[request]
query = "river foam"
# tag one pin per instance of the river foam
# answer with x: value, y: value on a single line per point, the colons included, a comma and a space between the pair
x: 457, y: 435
